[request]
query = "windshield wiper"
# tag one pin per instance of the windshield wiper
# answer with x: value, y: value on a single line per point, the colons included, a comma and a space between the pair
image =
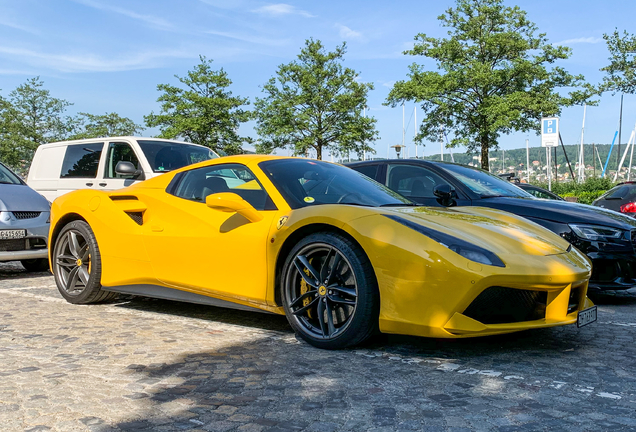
x: 494, y: 196
x: 399, y: 205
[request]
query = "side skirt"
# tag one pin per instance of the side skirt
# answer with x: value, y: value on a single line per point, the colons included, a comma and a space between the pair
x: 157, y: 291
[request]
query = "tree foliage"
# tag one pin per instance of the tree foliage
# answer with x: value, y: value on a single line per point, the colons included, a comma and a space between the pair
x: 495, y: 75
x: 106, y: 125
x: 315, y: 103
x: 621, y: 72
x: 30, y: 116
x: 203, y: 111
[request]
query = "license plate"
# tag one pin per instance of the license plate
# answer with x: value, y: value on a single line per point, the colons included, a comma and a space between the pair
x: 12, y: 234
x: 586, y: 316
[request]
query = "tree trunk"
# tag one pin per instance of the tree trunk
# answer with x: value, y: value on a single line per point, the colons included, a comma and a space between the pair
x: 319, y: 152
x: 484, y: 154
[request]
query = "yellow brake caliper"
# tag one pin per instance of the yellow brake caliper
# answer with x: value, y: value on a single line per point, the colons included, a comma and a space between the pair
x: 303, y: 289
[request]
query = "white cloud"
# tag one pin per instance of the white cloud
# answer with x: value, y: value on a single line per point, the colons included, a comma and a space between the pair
x: 347, y: 33
x: 148, y: 19
x: 18, y: 27
x: 251, y: 39
x: 389, y: 84
x: 591, y: 40
x: 91, y: 62
x: 280, y: 9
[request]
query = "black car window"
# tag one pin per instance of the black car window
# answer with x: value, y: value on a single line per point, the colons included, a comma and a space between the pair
x: 367, y: 170
x: 197, y: 184
x: 81, y: 160
x: 619, y: 192
x: 167, y: 155
x: 8, y: 177
x: 118, y: 152
x: 483, y: 183
x: 413, y: 181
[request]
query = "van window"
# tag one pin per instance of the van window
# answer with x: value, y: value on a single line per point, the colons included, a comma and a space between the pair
x: 167, y: 156
x: 117, y: 152
x: 81, y: 160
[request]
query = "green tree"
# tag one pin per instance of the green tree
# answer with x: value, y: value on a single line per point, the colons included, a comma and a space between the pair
x: 494, y: 77
x: 621, y: 72
x: 203, y: 112
x: 30, y: 117
x: 315, y: 103
x: 106, y: 125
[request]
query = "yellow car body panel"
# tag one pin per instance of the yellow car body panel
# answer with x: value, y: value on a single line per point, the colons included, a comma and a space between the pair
x: 425, y: 287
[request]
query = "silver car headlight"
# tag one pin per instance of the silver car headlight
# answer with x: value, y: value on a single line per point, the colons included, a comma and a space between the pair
x: 597, y: 232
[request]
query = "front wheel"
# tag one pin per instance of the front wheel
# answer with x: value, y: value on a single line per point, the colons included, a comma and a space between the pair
x: 77, y: 265
x: 35, y: 265
x: 330, y: 294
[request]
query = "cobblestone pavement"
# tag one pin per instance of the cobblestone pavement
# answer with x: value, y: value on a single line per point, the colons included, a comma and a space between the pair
x: 152, y: 365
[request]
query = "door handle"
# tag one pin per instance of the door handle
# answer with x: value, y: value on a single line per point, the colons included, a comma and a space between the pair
x: 103, y: 184
x: 89, y: 184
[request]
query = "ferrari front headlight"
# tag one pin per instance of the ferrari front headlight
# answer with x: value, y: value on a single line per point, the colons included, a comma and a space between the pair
x: 596, y: 232
x: 461, y: 247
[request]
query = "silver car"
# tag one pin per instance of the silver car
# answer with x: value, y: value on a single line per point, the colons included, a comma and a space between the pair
x: 24, y: 223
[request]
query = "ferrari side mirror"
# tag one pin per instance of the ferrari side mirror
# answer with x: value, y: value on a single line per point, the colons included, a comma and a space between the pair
x: 231, y: 202
x: 445, y: 195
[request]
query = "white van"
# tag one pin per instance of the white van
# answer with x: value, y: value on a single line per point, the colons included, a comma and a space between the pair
x: 108, y: 163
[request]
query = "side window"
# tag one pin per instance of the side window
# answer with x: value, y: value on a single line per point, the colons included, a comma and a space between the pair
x: 619, y: 192
x: 197, y: 184
x: 118, y: 152
x: 413, y: 181
x: 81, y: 160
x: 367, y: 170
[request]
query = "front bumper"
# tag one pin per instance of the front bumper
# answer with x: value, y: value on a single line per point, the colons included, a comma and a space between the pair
x: 613, y: 271
x: 33, y: 246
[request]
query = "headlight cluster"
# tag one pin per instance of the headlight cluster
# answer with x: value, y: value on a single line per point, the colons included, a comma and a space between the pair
x: 467, y: 250
x: 598, y: 233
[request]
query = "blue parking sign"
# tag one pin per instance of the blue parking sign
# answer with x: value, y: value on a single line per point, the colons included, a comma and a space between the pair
x: 549, y: 126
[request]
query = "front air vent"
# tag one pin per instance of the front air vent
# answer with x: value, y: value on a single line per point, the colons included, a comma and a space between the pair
x: 123, y: 197
x: 498, y: 305
x: 26, y: 214
x: 137, y: 217
x: 12, y: 245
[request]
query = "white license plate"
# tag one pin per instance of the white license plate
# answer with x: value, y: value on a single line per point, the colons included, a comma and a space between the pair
x: 586, y: 316
x: 12, y: 234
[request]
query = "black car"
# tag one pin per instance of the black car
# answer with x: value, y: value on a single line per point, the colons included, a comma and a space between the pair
x: 621, y: 198
x: 608, y: 238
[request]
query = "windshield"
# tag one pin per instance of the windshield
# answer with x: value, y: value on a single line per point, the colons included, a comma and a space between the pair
x: 483, y: 183
x: 306, y: 182
x: 7, y: 177
x: 168, y: 155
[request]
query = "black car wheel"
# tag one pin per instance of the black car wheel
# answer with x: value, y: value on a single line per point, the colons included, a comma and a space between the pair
x: 35, y: 265
x: 77, y: 265
x: 330, y: 293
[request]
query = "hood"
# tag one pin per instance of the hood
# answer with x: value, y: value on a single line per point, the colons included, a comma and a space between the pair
x: 499, y: 232
x: 21, y: 198
x: 560, y: 211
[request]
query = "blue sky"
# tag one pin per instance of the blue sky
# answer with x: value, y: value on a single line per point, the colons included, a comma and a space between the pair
x: 109, y: 55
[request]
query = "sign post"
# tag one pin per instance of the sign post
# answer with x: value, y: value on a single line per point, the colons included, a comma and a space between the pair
x: 549, y: 138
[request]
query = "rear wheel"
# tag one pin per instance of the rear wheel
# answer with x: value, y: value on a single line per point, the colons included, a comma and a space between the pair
x: 35, y: 265
x: 77, y: 265
x: 330, y: 294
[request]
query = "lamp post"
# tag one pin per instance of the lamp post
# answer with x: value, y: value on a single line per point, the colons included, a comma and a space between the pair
x: 398, y: 149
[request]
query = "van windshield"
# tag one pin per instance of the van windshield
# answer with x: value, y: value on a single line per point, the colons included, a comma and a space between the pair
x: 168, y: 155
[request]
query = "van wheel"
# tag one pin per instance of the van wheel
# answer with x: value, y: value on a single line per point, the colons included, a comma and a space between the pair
x: 77, y: 265
x: 35, y: 265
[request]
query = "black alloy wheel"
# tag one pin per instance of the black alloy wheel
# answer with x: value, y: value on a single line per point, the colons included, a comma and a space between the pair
x: 77, y: 265
x: 330, y: 293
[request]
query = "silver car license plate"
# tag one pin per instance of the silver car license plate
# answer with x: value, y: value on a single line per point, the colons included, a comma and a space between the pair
x: 12, y: 234
x: 586, y: 316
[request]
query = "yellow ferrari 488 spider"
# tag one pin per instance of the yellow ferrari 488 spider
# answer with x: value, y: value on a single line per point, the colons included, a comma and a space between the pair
x: 339, y: 254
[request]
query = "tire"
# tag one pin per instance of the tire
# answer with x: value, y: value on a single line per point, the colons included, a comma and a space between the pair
x: 329, y: 292
x: 77, y: 265
x: 35, y: 265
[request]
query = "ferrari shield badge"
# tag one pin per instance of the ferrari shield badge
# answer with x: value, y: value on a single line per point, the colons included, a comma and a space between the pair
x: 281, y: 222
